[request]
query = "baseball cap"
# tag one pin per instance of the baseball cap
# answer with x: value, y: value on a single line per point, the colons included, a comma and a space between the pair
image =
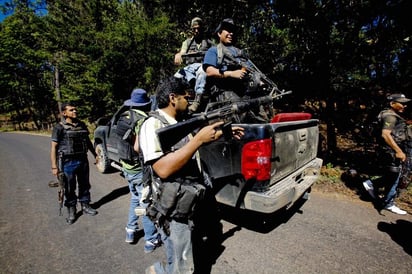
x: 398, y: 97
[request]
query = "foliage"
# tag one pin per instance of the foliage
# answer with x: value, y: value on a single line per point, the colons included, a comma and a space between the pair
x: 336, y: 55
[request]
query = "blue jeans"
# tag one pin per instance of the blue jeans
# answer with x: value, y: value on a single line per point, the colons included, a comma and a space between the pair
x: 135, y: 187
x: 181, y: 241
x: 195, y: 71
x: 77, y: 173
x: 178, y: 250
x: 391, y: 189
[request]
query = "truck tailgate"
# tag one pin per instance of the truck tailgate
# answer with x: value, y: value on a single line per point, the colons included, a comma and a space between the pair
x: 294, y: 166
x: 294, y: 144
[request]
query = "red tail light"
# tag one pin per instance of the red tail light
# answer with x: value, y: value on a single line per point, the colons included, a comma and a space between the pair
x: 256, y: 160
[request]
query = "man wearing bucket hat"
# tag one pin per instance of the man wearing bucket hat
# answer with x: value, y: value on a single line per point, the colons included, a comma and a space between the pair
x: 394, y: 138
x: 140, y: 104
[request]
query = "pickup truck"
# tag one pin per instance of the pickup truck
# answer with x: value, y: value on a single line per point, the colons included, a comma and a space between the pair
x: 270, y: 168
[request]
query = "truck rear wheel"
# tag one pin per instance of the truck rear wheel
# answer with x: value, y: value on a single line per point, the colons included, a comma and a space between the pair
x: 103, y: 164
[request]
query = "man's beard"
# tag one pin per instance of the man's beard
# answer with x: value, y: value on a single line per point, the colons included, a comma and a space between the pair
x: 181, y: 116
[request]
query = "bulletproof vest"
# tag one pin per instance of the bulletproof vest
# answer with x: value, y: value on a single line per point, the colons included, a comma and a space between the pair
x: 193, y: 47
x: 191, y: 169
x: 400, y: 131
x: 226, y: 60
x: 74, y: 141
x: 226, y: 56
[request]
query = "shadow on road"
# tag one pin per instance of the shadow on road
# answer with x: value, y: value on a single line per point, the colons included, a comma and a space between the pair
x: 111, y: 196
x: 400, y: 232
x: 260, y: 222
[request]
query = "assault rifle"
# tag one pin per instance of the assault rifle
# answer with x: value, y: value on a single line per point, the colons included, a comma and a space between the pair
x: 172, y: 134
x: 193, y: 57
x: 257, y: 78
x: 194, y: 54
x: 62, y: 183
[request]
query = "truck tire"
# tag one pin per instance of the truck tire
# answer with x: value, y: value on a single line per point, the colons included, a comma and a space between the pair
x: 103, y: 165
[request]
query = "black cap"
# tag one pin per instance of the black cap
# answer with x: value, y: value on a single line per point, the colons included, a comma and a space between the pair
x: 398, y: 97
x: 226, y: 24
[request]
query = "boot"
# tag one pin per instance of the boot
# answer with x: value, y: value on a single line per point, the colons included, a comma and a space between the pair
x: 88, y: 210
x: 196, y: 103
x: 71, y: 210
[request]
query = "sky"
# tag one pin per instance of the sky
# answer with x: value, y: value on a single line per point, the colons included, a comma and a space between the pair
x: 2, y: 16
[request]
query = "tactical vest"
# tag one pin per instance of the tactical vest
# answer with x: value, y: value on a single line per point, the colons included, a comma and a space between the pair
x: 74, y: 142
x: 399, y: 132
x: 223, y: 54
x: 175, y: 197
x: 226, y: 61
x: 191, y: 169
x: 194, y: 47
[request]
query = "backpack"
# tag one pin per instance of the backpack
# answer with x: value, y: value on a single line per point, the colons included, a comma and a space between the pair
x: 126, y: 131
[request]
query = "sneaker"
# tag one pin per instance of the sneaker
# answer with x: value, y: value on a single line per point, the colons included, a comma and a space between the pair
x: 87, y: 209
x: 368, y: 185
x: 151, y: 246
x: 395, y: 209
x: 130, y: 233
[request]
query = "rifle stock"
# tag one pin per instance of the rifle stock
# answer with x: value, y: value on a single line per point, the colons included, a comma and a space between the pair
x: 172, y: 134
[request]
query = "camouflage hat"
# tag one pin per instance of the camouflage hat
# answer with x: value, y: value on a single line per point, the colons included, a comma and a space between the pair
x: 196, y: 22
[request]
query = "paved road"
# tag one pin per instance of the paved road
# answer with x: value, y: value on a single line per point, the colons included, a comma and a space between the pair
x: 327, y: 234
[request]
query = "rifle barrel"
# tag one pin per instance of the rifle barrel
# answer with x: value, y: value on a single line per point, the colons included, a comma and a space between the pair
x: 172, y: 134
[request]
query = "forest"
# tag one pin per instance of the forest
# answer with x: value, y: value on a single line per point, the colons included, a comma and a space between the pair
x: 340, y: 58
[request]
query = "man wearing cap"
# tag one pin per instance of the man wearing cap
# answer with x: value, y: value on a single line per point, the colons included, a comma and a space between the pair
x: 140, y: 104
x: 394, y: 137
x: 193, y: 50
x: 220, y: 69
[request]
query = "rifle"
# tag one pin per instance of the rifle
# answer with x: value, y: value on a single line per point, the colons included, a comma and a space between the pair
x: 194, y: 54
x: 62, y: 183
x: 257, y: 77
x: 193, y: 57
x: 172, y: 134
